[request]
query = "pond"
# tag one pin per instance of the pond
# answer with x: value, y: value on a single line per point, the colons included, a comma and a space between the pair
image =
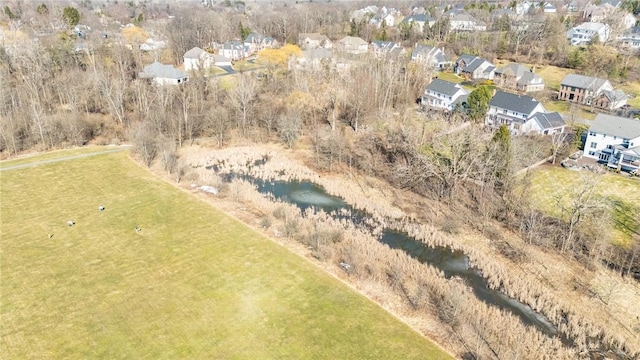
x: 305, y: 194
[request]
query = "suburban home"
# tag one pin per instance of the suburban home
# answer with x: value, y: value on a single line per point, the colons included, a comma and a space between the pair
x: 164, y: 74
x: 582, y: 89
x: 594, y: 13
x: 419, y: 21
x: 514, y: 111
x: 234, y: 50
x: 197, y: 58
x: 630, y: 39
x: 152, y: 45
x: 312, y: 59
x: 610, y: 99
x: 475, y: 68
x: 444, y: 95
x: 383, y: 48
x: 384, y: 18
x: 615, y: 141
x: 431, y: 56
x: 352, y: 45
x: 308, y: 41
x: 545, y: 124
x: 585, y: 32
x: 256, y: 42
x: 461, y: 21
x: 549, y: 8
x: 518, y: 77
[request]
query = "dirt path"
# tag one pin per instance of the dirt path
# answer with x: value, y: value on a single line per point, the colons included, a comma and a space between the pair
x: 66, y: 158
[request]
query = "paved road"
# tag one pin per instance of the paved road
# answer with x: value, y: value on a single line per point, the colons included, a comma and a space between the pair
x: 71, y: 157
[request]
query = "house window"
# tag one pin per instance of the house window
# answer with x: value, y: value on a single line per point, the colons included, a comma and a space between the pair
x: 594, y: 144
x: 592, y: 153
x: 504, y: 111
x: 591, y: 133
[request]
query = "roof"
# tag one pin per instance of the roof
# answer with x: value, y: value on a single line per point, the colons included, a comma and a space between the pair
x: 475, y: 64
x: 528, y: 78
x: 513, y: 69
x: 317, y: 54
x: 443, y: 87
x: 591, y: 26
x: 615, y: 95
x: 384, y: 45
x: 519, y: 103
x: 549, y: 120
x: 353, y: 41
x: 583, y: 82
x: 194, y: 53
x: 615, y: 125
x: 418, y: 18
x: 158, y: 70
x: 312, y: 36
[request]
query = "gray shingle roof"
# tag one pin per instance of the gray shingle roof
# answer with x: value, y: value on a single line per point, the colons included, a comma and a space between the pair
x: 158, y: 70
x: 519, y: 103
x: 194, y: 53
x: 443, y: 87
x: 528, y: 77
x: 474, y: 65
x: 583, y: 82
x: 513, y: 69
x: 616, y: 126
x: 549, y: 120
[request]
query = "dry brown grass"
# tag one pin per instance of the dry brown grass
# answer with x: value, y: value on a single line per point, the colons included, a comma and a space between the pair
x: 547, y: 282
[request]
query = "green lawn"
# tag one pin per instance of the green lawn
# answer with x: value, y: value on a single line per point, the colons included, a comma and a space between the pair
x: 618, y: 191
x: 194, y: 283
x: 54, y: 155
x: 632, y: 88
x: 447, y: 76
x: 553, y: 75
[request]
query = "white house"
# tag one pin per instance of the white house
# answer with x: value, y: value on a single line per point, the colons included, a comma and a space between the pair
x: 256, y: 42
x: 233, y: 50
x: 430, y: 55
x: 164, y: 74
x: 514, y: 111
x: 382, y: 48
x: 444, y: 95
x: 615, y: 141
x: 630, y: 39
x: 544, y: 123
x: 464, y: 22
x: 584, y: 33
x: 419, y: 21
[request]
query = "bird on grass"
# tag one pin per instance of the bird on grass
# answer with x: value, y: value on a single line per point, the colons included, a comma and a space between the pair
x: 49, y: 235
x: 101, y: 208
x: 71, y: 223
x: 138, y: 229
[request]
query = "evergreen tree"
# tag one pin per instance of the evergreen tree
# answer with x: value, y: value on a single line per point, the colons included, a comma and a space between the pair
x: 478, y: 102
x: 71, y: 16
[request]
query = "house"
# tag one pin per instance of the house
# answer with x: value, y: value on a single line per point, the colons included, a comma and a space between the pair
x: 431, y: 56
x: 610, y: 99
x: 594, y: 13
x: 151, y: 45
x: 164, y: 74
x: 383, y: 48
x: 582, y: 89
x: 197, y: 58
x: 585, y: 32
x: 518, y: 77
x: 615, y: 141
x: 308, y: 41
x: 630, y: 39
x: 233, y: 50
x: 473, y: 67
x: 312, y: 59
x: 549, y: 8
x: 419, y: 21
x: 352, y: 45
x: 461, y: 21
x: 545, y: 124
x: 514, y: 111
x: 256, y: 42
x: 444, y: 95
x: 387, y: 19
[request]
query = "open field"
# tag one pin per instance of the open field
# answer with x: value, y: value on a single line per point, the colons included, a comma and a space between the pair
x: 620, y: 191
x: 564, y: 107
x: 553, y: 75
x: 57, y: 154
x: 632, y: 88
x: 194, y: 283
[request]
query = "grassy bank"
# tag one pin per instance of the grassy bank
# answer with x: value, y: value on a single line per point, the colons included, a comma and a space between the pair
x: 194, y: 283
x: 619, y: 191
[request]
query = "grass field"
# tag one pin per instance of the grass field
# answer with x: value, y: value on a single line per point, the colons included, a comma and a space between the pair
x: 619, y: 191
x: 632, y: 88
x: 447, y: 76
x: 194, y: 283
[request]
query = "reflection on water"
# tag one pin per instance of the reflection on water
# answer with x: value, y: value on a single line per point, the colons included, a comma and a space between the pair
x: 306, y: 195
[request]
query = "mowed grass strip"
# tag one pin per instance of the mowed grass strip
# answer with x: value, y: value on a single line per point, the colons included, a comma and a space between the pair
x: 553, y: 187
x: 56, y: 154
x: 194, y: 283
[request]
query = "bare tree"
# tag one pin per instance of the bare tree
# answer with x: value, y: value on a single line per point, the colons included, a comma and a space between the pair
x: 243, y: 96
